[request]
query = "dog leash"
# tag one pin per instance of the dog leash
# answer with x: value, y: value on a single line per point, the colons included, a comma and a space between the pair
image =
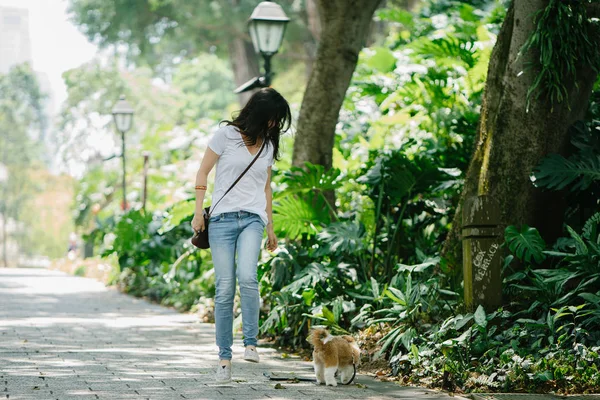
x: 272, y: 377
x: 353, y: 375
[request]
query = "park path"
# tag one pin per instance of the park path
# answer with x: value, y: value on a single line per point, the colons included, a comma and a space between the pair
x: 64, y: 337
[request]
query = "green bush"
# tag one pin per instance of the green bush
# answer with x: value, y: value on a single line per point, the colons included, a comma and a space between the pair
x: 80, y: 271
x: 156, y: 259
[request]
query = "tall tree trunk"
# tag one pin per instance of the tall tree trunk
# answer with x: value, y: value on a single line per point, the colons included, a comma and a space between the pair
x: 313, y: 21
x: 512, y: 141
x: 344, y: 28
x: 244, y: 63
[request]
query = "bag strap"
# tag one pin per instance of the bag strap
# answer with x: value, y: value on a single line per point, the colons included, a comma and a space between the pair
x: 210, y: 210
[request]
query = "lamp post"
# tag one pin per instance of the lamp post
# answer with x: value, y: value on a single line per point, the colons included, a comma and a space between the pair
x: 123, y: 115
x: 267, y: 26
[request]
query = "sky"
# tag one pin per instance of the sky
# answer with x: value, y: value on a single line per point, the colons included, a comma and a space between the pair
x: 56, y: 44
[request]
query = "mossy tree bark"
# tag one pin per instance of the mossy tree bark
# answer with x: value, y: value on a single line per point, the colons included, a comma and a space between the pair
x: 344, y: 29
x: 512, y: 140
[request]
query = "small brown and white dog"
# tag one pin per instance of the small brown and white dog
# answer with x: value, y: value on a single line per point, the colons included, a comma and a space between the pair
x: 332, y: 354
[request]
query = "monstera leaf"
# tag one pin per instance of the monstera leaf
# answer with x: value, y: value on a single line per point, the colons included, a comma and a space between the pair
x: 343, y: 237
x: 526, y: 243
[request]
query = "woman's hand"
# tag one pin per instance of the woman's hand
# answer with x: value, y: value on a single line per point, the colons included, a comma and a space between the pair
x: 198, y: 223
x: 271, y: 238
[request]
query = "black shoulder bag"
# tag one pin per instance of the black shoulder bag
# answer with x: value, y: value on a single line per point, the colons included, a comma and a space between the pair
x: 200, y: 238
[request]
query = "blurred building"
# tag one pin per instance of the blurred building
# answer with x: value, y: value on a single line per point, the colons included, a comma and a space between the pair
x: 15, y: 42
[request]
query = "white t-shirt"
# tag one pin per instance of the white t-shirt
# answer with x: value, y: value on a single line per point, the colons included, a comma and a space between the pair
x: 249, y: 193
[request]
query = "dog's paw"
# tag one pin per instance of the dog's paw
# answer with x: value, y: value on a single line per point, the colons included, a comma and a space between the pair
x: 334, y: 383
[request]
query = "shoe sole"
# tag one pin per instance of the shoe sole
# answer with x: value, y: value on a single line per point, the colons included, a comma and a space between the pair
x: 251, y: 360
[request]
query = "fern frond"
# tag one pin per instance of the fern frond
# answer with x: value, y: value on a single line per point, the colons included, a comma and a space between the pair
x: 590, y: 229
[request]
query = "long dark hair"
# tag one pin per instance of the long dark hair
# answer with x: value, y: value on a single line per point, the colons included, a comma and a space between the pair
x: 265, y: 117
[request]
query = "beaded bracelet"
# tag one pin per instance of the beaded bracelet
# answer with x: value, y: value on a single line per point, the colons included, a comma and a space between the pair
x: 200, y: 187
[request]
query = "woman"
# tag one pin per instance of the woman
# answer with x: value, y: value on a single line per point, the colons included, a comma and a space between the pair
x: 237, y: 223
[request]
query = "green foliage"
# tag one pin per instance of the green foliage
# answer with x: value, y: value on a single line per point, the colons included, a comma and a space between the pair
x: 80, y: 271
x: 22, y: 147
x: 557, y: 172
x: 542, y: 340
x: 565, y: 39
x: 473, y: 353
x: 170, y: 124
x: 302, y: 285
x: 343, y: 237
x: 526, y: 243
x: 206, y: 85
x: 160, y: 33
x: 370, y: 261
x: 394, y: 200
x: 295, y: 216
x: 155, y: 260
x: 302, y: 207
x: 382, y: 60
x: 577, y: 172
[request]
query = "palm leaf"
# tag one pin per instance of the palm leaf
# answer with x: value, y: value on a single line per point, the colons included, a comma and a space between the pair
x: 311, y: 178
x: 557, y: 172
x: 446, y: 50
x: 294, y: 216
x: 526, y: 243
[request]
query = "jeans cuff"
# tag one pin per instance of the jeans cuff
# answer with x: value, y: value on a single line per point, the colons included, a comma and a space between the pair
x: 225, y: 355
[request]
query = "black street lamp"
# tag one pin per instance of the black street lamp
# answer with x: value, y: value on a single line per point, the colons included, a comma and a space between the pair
x: 267, y: 26
x: 123, y: 115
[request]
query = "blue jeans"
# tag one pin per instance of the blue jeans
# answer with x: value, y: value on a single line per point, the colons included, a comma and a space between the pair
x: 234, y: 233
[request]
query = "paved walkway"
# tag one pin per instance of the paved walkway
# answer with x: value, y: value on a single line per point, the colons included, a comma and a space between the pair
x: 64, y: 337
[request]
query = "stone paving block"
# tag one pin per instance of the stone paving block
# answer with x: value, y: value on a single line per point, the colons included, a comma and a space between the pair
x: 64, y: 337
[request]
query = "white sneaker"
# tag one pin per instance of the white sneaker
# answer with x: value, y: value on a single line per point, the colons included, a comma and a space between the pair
x: 251, y: 355
x: 223, y: 373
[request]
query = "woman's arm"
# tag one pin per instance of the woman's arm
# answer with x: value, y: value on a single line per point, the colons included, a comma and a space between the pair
x: 271, y: 238
x: 208, y: 162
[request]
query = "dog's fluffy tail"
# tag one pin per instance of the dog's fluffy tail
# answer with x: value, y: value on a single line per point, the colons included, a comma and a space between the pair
x: 348, y: 339
x: 317, y: 337
x: 355, y: 349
